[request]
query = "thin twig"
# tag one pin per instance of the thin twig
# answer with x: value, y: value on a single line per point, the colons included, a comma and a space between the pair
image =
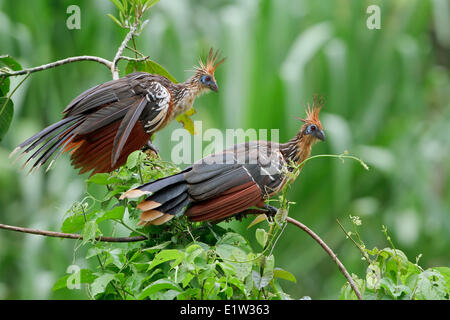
x: 134, y: 50
x: 12, y: 92
x: 70, y: 235
x: 365, y: 255
x: 107, y: 63
x: 330, y: 253
x: 114, y: 70
x: 134, y: 59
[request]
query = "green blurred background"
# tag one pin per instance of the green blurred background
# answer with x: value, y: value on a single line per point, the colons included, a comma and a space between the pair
x: 387, y: 101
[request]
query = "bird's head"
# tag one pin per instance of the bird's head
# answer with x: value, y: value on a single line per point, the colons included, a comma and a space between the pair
x: 204, y: 73
x: 312, y: 128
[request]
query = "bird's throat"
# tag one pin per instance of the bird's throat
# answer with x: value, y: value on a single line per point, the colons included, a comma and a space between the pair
x: 297, y: 149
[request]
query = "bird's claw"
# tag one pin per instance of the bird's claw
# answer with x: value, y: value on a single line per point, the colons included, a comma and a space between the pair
x: 150, y: 147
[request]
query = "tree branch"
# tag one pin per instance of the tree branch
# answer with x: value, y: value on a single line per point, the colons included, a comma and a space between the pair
x: 330, y: 253
x: 114, y: 70
x: 70, y: 235
x: 107, y: 63
x: 134, y: 59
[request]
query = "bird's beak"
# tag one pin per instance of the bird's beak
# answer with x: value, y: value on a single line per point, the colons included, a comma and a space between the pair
x: 213, y: 86
x: 319, y: 134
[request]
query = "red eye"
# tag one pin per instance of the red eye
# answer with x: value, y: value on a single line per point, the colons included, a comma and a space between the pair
x: 205, y: 79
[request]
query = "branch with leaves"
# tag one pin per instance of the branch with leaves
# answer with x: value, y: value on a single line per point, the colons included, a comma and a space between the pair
x: 75, y: 236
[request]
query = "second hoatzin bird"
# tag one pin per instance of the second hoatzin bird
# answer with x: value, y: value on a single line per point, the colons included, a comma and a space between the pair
x: 229, y: 182
x: 104, y: 124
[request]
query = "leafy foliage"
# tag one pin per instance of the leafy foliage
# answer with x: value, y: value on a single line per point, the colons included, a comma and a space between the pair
x: 390, y: 275
x: 7, y: 63
x: 131, y: 12
x: 180, y: 260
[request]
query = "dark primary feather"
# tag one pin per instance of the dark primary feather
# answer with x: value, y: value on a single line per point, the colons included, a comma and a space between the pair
x: 115, y: 90
x: 105, y: 116
x: 47, y: 131
x: 127, y: 124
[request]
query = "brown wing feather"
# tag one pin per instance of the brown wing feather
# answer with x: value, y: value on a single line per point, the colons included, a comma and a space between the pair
x: 94, y: 153
x: 125, y: 128
x: 232, y: 201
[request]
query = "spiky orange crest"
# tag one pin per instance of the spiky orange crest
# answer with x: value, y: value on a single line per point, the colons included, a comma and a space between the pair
x: 211, y: 62
x: 312, y: 113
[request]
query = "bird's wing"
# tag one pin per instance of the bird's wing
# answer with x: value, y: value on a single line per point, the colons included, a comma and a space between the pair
x: 149, y: 106
x: 226, y: 183
x: 106, y: 93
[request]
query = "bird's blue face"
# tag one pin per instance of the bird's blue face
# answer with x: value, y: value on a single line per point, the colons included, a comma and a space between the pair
x: 315, y: 131
x: 208, y: 81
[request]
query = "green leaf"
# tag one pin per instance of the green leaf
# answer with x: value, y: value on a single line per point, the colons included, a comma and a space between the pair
x: 283, y: 274
x: 76, y: 222
x: 259, y: 218
x: 99, y: 285
x: 445, y: 272
x: 194, y: 249
x: 394, y: 290
x: 167, y: 255
x: 10, y: 63
x: 149, y: 3
x: 115, y: 213
x: 159, y: 285
x: 262, y: 281
x: 115, y: 256
x: 159, y: 246
x: 431, y: 285
x: 261, y: 236
x: 4, y: 86
x: 150, y: 67
x: 85, y: 276
x: 89, y: 231
x: 187, y: 122
x: 155, y: 68
x: 281, y: 215
x: 115, y: 20
x: 373, y: 276
x: 234, y: 239
x: 103, y: 179
x: 6, y: 115
x: 134, y: 159
x: 118, y: 5
x: 235, y: 257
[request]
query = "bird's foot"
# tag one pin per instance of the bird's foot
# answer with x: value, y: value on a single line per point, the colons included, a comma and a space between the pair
x: 270, y: 210
x: 150, y: 148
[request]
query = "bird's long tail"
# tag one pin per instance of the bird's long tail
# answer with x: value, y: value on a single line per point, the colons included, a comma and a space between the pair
x: 90, y: 151
x: 52, y: 141
x: 167, y: 199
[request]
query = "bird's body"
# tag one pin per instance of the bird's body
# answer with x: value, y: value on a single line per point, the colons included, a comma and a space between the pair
x: 104, y: 124
x: 229, y: 182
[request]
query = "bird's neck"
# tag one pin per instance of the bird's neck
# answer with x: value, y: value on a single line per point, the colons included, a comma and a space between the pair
x: 184, y: 95
x: 297, y: 149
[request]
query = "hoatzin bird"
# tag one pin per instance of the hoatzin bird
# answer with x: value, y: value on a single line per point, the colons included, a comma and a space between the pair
x: 104, y: 124
x: 229, y: 182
